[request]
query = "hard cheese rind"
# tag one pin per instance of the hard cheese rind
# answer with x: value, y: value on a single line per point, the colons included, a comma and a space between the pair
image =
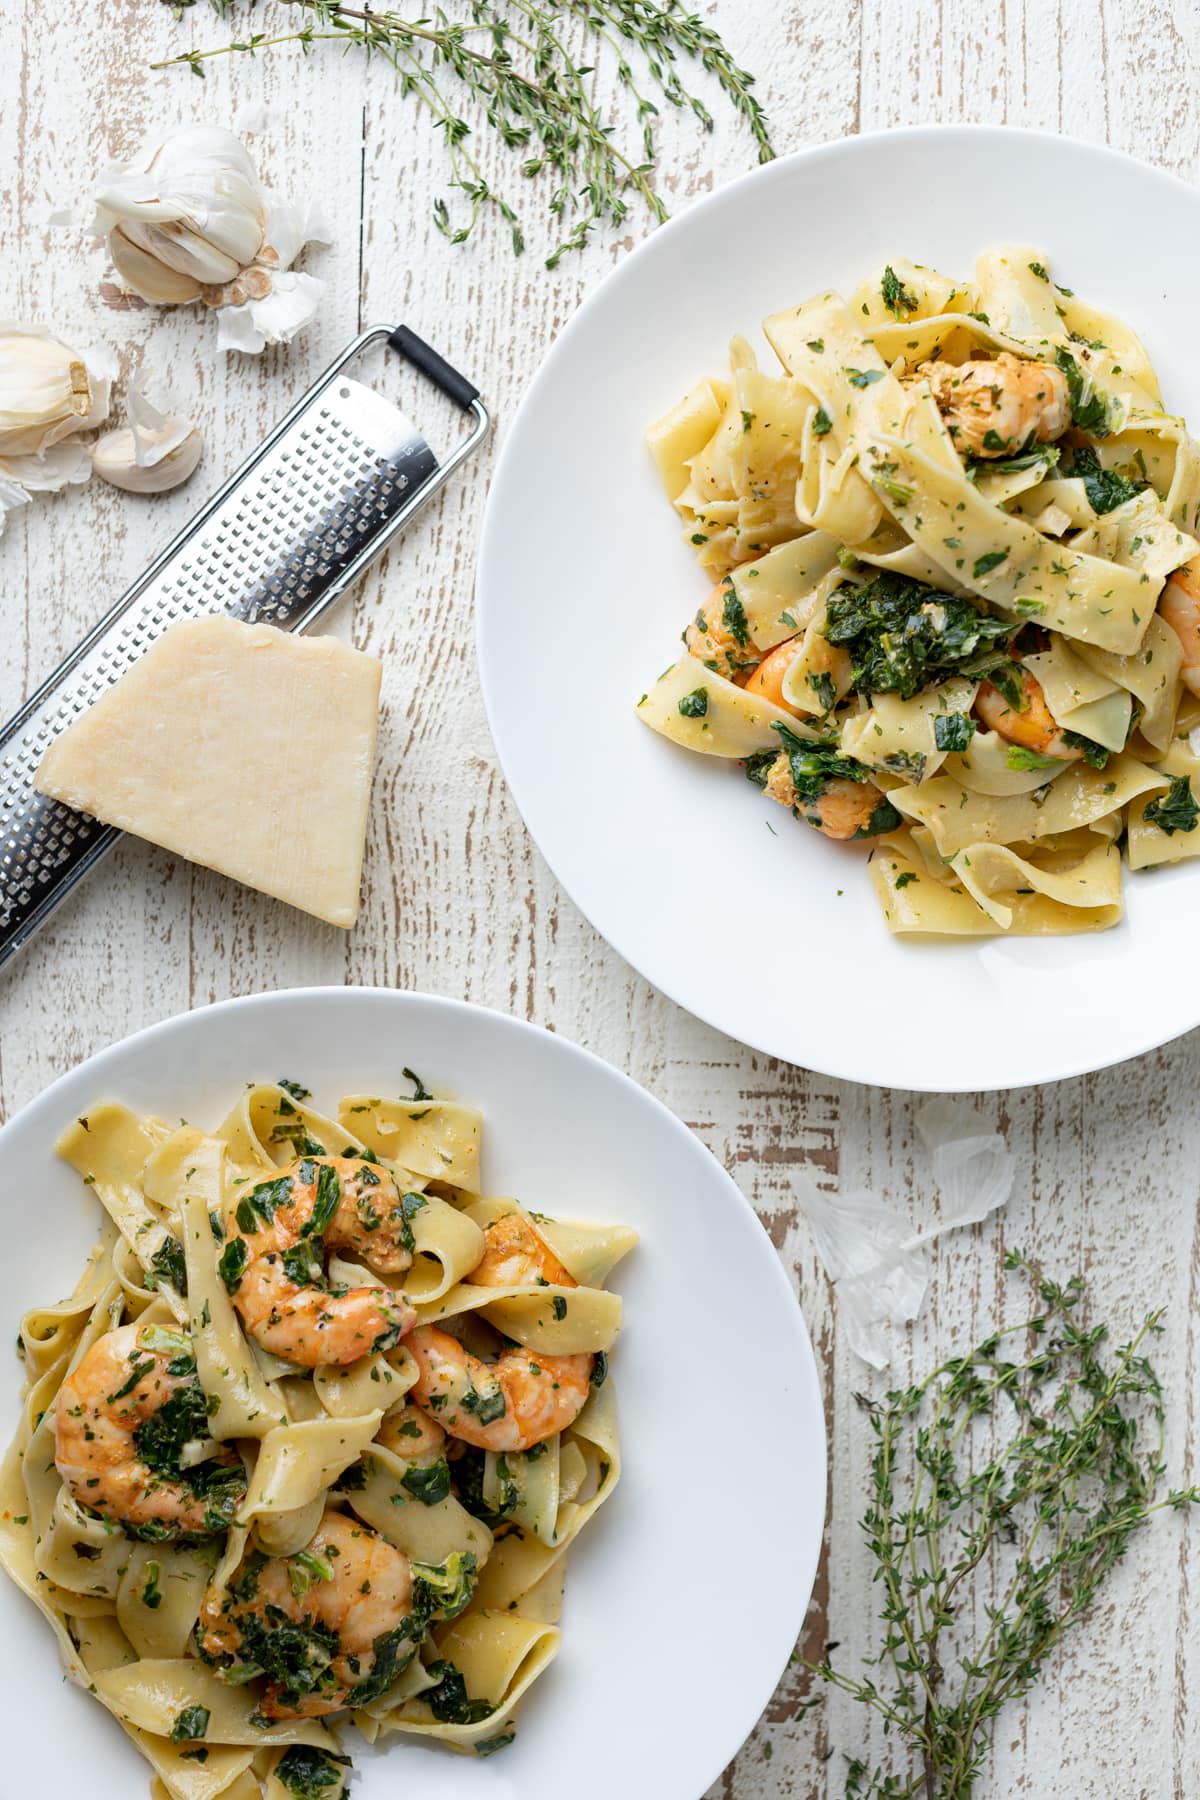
x: 241, y: 748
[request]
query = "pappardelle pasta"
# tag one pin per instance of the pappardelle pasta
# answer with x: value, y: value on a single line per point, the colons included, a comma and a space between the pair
x: 311, y: 1439
x: 957, y: 600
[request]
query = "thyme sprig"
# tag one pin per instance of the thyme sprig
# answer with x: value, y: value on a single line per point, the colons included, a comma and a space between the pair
x: 525, y: 67
x: 1022, y: 1469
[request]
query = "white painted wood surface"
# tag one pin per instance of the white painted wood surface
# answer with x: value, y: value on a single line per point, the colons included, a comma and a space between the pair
x: 457, y: 901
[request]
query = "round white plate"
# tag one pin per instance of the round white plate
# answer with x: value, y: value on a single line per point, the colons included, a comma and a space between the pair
x: 663, y: 1669
x: 775, y: 935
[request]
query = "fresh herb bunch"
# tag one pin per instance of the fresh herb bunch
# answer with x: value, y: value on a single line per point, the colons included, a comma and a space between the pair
x: 1020, y: 1470
x: 525, y: 67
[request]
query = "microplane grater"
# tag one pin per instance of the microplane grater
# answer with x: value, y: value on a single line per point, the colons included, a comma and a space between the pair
x: 319, y: 499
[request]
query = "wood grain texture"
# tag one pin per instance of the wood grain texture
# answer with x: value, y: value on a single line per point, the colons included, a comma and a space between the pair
x: 457, y: 901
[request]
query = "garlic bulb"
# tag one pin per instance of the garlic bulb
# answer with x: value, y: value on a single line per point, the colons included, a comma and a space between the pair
x: 49, y: 393
x: 47, y: 390
x: 155, y: 453
x: 187, y: 219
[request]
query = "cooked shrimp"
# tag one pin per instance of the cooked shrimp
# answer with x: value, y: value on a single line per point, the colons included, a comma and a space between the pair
x: 1031, y: 725
x: 413, y: 1434
x: 341, y: 1596
x: 510, y: 1404
x: 842, y: 809
x: 277, y: 1280
x: 994, y: 408
x: 516, y: 1255
x: 125, y: 1418
x: 1180, y: 608
x: 769, y: 677
x: 718, y: 635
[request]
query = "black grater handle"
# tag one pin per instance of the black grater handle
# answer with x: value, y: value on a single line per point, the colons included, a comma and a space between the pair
x: 422, y: 356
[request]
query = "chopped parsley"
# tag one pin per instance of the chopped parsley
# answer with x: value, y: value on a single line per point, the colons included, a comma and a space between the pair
x: 1040, y: 270
x: 695, y: 704
x: 294, y: 1089
x: 861, y: 378
x: 896, y: 297
x: 902, y: 881
x: 817, y: 346
x: 822, y: 423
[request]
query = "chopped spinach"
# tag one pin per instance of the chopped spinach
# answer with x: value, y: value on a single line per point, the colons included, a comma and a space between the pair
x: 257, y: 1208
x: 1176, y: 810
x: 168, y: 1264
x: 309, y: 1773
x: 903, y: 635
x: 448, y: 1701
x: 190, y: 1725
x: 953, y: 731
x: 1105, y: 488
x: 695, y: 704
x: 991, y: 559
x: 1089, y: 410
x: 733, y: 616
x: 231, y: 1265
x: 294, y: 1089
x: 429, y: 1484
x: 1093, y: 753
x: 420, y: 1091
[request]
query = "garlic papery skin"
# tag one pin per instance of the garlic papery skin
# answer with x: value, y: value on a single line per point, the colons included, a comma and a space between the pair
x: 157, y: 451
x: 188, y: 220
x: 48, y: 391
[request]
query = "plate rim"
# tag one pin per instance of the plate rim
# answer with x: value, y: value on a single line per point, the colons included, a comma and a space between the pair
x: 490, y: 686
x: 803, y: 1361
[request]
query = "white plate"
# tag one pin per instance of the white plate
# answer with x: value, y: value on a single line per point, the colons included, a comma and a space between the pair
x: 584, y: 586
x: 685, y: 1598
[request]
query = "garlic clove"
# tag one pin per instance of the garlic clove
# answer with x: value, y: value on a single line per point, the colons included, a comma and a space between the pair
x: 156, y: 452
x: 140, y: 270
x: 48, y: 391
x: 115, y: 460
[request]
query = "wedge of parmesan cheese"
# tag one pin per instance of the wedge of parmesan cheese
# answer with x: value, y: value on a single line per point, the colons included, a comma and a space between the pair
x: 240, y: 747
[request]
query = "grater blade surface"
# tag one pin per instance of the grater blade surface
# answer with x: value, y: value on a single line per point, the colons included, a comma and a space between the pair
x: 276, y: 546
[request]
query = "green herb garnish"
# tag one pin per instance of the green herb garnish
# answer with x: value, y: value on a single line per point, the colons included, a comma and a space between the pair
x: 1004, y: 1488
